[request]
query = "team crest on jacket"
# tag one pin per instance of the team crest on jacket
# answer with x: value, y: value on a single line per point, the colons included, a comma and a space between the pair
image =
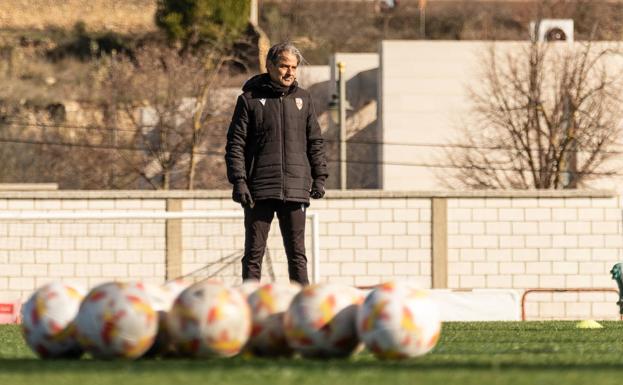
x: 299, y: 103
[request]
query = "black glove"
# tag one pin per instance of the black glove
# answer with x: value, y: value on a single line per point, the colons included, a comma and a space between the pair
x: 241, y: 193
x: 317, y: 190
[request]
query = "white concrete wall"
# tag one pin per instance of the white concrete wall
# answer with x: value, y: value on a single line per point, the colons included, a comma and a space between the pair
x: 423, y: 96
x: 497, y: 240
x: 308, y: 75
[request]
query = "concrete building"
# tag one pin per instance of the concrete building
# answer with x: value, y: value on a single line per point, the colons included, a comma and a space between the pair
x: 423, y: 98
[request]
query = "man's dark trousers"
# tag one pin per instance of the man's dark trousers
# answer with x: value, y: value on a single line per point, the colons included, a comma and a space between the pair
x: 257, y: 222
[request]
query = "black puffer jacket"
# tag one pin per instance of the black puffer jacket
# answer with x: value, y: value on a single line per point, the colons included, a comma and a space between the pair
x: 274, y: 142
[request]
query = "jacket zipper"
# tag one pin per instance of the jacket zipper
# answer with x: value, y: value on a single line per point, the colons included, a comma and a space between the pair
x: 283, y: 151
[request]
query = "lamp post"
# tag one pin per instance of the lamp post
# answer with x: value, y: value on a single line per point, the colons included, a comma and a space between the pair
x: 341, y: 66
x: 337, y: 112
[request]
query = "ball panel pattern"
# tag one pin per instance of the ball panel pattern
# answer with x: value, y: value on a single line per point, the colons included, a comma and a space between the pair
x: 268, y: 305
x: 320, y: 321
x: 116, y: 320
x: 397, y: 320
x: 48, y: 318
x: 209, y: 319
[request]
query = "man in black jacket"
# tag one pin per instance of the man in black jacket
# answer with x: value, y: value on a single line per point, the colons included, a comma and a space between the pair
x: 275, y: 160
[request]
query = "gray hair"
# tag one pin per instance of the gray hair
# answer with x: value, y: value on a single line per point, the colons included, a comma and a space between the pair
x: 278, y: 49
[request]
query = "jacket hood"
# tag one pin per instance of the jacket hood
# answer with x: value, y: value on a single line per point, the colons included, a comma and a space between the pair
x: 262, y: 82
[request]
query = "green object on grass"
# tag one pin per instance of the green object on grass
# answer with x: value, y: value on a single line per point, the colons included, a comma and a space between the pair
x: 588, y: 324
x: 617, y: 275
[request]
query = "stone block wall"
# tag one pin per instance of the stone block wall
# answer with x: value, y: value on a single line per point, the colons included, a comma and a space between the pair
x: 363, y: 241
x: 491, y: 240
x: 521, y: 243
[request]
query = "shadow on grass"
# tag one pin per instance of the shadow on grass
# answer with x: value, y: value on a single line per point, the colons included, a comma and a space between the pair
x: 256, y: 365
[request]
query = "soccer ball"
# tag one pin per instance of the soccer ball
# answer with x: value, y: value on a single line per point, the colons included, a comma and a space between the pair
x: 209, y: 319
x: 268, y: 305
x: 161, y: 301
x: 248, y: 287
x: 48, y: 320
x: 174, y: 288
x: 320, y: 321
x: 117, y: 320
x: 397, y: 320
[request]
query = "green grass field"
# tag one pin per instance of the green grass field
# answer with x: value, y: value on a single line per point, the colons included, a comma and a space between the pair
x: 468, y: 353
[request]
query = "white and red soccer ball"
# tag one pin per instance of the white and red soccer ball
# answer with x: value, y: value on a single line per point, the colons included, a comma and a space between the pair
x: 48, y: 320
x: 209, y: 319
x: 398, y: 320
x: 320, y: 321
x: 248, y: 287
x: 161, y: 299
x: 173, y: 288
x: 117, y: 320
x: 268, y: 305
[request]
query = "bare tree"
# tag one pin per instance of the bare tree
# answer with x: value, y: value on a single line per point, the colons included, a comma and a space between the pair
x: 544, y: 116
x: 159, y: 101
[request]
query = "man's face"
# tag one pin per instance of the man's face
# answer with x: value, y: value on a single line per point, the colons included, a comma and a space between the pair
x: 284, y: 72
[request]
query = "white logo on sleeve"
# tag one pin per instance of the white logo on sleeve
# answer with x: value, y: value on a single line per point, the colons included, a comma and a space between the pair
x: 263, y: 101
x: 299, y: 103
